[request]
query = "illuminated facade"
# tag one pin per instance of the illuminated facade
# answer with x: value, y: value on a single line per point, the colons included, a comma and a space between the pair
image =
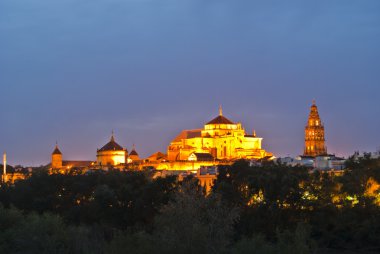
x: 221, y: 138
x: 314, y: 134
x: 111, y: 154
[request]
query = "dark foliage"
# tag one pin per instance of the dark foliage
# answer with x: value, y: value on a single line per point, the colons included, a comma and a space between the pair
x: 268, y: 209
x: 112, y: 199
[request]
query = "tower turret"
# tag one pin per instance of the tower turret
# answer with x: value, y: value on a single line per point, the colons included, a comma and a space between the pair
x: 134, y: 156
x: 56, y: 158
x: 314, y: 134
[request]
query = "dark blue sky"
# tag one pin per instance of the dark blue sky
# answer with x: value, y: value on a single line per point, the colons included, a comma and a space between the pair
x: 73, y: 70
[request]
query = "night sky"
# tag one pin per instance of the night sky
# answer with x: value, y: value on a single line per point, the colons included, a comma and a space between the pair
x: 74, y: 70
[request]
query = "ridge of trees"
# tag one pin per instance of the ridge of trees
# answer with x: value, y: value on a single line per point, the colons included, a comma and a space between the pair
x: 269, y: 209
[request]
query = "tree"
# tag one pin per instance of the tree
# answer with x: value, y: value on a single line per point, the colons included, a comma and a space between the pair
x: 45, y: 233
x: 193, y: 223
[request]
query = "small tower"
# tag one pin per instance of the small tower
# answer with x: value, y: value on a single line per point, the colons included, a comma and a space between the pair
x: 56, y: 158
x: 134, y: 156
x: 314, y: 134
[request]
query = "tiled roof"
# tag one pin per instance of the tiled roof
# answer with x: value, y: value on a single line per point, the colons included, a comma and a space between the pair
x: 133, y: 152
x: 186, y: 134
x: 220, y: 120
x: 56, y: 151
x: 157, y: 156
x: 111, y: 146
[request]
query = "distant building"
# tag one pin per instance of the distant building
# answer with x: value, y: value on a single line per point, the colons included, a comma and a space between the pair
x: 372, y: 155
x: 220, y: 138
x: 111, y: 154
x: 314, y: 134
x: 329, y: 162
x: 206, y: 177
x: 323, y: 162
x: 306, y: 161
x: 285, y: 160
x: 376, y: 155
x: 60, y: 165
x: 7, y: 177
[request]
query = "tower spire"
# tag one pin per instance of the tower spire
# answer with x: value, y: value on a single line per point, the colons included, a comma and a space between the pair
x: 112, y: 137
x: 220, y: 110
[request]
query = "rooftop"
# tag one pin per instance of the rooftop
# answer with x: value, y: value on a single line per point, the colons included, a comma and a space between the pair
x: 111, y: 146
x: 56, y: 150
x: 220, y: 119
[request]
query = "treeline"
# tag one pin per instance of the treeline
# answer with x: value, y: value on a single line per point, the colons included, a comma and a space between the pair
x: 268, y: 209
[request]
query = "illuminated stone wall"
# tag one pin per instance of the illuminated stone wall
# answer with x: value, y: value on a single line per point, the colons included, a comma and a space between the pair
x: 221, y: 138
x: 112, y: 158
x: 56, y: 161
x: 182, y: 165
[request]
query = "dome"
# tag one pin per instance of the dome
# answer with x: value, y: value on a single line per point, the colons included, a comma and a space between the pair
x: 111, y: 146
x: 220, y: 119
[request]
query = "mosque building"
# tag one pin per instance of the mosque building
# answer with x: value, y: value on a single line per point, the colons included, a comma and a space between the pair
x: 314, y: 134
x: 220, y: 139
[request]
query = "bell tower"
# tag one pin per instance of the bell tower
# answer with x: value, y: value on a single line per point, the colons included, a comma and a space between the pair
x: 314, y: 134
